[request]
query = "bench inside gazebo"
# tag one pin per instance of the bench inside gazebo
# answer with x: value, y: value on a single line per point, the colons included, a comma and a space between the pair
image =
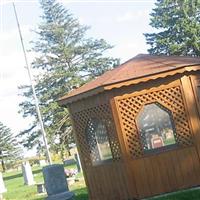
x: 137, y: 127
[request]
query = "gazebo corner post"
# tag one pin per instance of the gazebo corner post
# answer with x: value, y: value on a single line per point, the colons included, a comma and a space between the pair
x: 125, y: 156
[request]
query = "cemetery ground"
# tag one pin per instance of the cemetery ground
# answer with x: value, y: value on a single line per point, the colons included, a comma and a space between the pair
x: 16, y: 190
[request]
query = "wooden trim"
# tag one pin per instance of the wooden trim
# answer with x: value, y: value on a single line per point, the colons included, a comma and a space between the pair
x: 153, y: 89
x: 191, y: 108
x: 126, y: 159
x: 183, y: 86
x: 145, y: 79
x: 119, y: 125
x: 118, y: 128
x: 159, y: 151
x: 195, y: 80
x: 69, y: 99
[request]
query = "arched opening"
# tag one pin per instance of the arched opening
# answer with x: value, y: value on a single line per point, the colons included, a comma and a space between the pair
x: 156, y: 127
x: 98, y: 142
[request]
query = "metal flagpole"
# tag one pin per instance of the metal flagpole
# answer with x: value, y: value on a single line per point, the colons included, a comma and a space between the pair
x: 33, y: 89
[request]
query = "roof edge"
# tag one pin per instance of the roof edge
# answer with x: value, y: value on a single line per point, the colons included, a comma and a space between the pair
x: 133, y: 81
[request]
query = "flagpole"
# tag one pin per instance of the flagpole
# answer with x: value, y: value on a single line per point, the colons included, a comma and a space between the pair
x: 33, y: 90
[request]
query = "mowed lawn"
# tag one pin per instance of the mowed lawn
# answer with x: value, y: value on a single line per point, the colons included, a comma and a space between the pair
x: 18, y: 191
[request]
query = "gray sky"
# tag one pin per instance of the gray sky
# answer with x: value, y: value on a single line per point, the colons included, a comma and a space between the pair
x: 120, y: 23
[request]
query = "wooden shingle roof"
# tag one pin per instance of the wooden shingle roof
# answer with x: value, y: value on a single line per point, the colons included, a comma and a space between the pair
x: 143, y: 67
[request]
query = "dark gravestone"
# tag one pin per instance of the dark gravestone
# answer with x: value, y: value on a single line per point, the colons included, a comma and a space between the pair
x: 55, y: 183
x: 69, y: 162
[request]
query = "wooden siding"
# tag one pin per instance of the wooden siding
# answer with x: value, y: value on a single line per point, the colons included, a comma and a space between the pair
x: 145, y: 176
x: 166, y: 172
x: 109, y: 182
x: 171, y: 170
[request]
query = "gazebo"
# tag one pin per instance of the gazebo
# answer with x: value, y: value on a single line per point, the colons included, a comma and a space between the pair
x: 137, y: 127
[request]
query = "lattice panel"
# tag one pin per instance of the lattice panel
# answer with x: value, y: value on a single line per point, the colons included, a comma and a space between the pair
x: 91, y: 140
x: 82, y: 121
x: 171, y: 98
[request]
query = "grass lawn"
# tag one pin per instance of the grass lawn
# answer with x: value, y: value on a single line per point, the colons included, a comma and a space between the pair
x: 18, y: 191
x: 193, y: 194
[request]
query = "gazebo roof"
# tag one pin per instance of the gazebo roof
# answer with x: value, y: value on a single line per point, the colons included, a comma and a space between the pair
x: 141, y: 68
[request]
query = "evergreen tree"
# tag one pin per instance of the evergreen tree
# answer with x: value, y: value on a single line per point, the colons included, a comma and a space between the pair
x: 67, y: 58
x: 9, y: 149
x: 178, y: 24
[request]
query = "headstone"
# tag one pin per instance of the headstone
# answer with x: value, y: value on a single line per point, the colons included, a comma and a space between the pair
x: 27, y: 174
x: 56, y: 183
x: 157, y: 142
x: 70, y: 180
x: 78, y: 162
x: 2, y: 187
x: 69, y: 162
x: 42, y: 163
x: 169, y: 134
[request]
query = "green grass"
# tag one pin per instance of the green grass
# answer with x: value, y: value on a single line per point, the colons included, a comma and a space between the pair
x: 169, y: 141
x: 18, y: 191
x: 193, y: 194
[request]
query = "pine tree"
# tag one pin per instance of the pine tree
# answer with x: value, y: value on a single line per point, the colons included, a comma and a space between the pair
x: 9, y: 149
x: 178, y: 25
x: 67, y: 58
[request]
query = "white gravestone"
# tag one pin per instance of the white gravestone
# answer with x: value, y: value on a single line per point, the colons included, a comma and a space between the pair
x: 78, y: 162
x: 2, y: 187
x: 42, y: 163
x: 27, y: 174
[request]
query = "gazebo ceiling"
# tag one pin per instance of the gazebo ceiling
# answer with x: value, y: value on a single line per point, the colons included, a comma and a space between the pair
x: 141, y: 68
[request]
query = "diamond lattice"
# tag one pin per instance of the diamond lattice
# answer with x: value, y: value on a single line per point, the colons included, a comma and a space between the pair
x: 171, y: 98
x: 83, y: 128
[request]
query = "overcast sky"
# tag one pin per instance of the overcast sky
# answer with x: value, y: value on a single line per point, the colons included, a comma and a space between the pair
x: 120, y: 23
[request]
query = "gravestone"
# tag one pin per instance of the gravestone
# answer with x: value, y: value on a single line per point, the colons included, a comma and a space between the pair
x: 2, y: 187
x: 157, y: 142
x: 78, y: 162
x: 27, y: 174
x: 56, y: 183
x: 69, y: 162
x: 42, y: 163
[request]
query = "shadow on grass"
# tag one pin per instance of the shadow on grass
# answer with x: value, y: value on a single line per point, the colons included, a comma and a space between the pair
x: 19, y: 175
x: 81, y: 194
x: 37, y: 171
x: 6, y: 178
